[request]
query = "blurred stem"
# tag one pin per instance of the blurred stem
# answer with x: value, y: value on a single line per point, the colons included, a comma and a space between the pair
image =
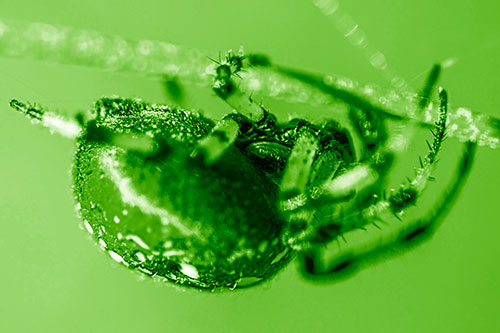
x: 65, y: 45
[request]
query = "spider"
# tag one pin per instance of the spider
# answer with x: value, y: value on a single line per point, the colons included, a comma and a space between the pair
x: 228, y: 204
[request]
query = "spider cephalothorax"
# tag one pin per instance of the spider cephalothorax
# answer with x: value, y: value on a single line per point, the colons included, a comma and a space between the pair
x: 222, y: 205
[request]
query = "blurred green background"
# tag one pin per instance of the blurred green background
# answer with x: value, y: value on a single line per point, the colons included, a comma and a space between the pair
x: 54, y: 279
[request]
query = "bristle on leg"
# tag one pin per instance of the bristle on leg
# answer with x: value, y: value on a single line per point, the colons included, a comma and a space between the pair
x: 56, y: 124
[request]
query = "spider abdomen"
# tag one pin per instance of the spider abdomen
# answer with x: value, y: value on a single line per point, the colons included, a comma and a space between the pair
x: 174, y: 217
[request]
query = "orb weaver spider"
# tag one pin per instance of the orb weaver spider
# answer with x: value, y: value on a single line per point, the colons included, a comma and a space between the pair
x: 224, y: 205
x: 228, y: 204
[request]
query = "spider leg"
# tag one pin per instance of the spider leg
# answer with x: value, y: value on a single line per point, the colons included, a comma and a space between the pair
x: 299, y: 166
x: 370, y: 129
x: 378, y: 156
x: 363, y: 211
x: 407, y: 194
x: 370, y: 126
x: 293, y: 197
x: 226, y: 131
x: 55, y: 123
x: 362, y: 249
x: 354, y: 225
x: 74, y: 128
x: 313, y: 160
x: 225, y: 87
x: 217, y: 141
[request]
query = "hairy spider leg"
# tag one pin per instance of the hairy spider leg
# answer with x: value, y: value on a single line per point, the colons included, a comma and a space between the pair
x: 369, y: 125
x: 293, y: 196
x: 408, y: 194
x: 392, y: 240
x: 359, y: 181
x: 225, y: 87
x: 55, y: 123
x: 374, y: 166
x: 226, y: 130
x: 388, y: 211
x: 72, y: 129
x: 428, y: 88
x: 312, y: 161
x: 301, y: 215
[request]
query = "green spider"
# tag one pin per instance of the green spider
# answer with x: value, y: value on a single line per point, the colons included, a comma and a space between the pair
x: 226, y: 205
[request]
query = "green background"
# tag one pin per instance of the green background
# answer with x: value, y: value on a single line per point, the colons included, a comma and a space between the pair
x: 54, y: 279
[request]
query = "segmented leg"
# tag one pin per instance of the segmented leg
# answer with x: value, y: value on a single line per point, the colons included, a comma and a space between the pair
x: 362, y: 245
x: 73, y: 128
x: 370, y: 129
x: 217, y: 141
x: 299, y: 166
x: 225, y: 87
x: 293, y: 195
x: 313, y: 159
x: 224, y: 134
x: 375, y: 165
x: 370, y: 126
x: 55, y: 123
x: 300, y: 211
x: 363, y: 249
x: 407, y: 194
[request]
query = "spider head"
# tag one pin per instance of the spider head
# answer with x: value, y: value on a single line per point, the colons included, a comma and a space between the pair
x: 302, y: 204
